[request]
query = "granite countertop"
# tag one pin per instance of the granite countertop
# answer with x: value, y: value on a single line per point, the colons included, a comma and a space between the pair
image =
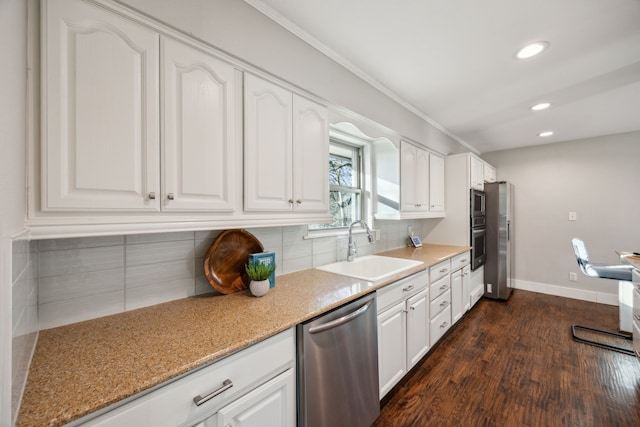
x: 80, y: 368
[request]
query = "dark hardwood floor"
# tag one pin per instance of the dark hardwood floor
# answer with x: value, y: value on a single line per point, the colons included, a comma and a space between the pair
x: 515, y: 363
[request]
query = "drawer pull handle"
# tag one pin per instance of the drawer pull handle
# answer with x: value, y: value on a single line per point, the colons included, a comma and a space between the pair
x: 199, y: 400
x: 152, y: 196
x: 171, y: 196
x: 443, y: 287
x: 408, y: 288
x: 443, y: 270
x: 444, y: 325
x: 463, y: 260
x: 444, y: 303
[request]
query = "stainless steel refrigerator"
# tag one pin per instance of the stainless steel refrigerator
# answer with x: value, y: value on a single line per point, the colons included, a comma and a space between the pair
x: 498, y: 267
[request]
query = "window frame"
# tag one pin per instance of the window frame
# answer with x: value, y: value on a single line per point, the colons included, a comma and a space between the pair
x: 361, y: 147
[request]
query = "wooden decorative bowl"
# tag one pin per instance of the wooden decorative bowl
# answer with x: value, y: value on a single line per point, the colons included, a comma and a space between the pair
x: 225, y: 260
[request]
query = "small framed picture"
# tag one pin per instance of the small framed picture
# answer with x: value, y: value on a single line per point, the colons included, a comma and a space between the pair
x: 416, y: 241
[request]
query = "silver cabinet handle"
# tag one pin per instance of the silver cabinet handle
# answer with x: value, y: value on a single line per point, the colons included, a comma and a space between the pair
x: 444, y: 303
x: 444, y: 325
x: 152, y: 196
x: 226, y: 385
x: 443, y: 287
x: 408, y: 288
x: 463, y: 260
x: 299, y: 202
x: 412, y: 308
x: 444, y: 270
x: 291, y: 201
x: 171, y: 196
x: 341, y: 320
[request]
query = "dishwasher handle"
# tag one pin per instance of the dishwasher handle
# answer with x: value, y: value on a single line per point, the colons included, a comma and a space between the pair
x: 341, y: 320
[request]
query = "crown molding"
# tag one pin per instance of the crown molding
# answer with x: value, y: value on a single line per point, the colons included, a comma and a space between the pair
x: 277, y: 17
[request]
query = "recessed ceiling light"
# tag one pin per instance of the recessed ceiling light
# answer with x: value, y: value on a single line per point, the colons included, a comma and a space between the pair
x: 541, y: 106
x: 532, y: 49
x: 545, y: 133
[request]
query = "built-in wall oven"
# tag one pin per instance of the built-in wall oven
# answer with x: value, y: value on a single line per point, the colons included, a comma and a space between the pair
x: 478, y: 246
x: 478, y: 224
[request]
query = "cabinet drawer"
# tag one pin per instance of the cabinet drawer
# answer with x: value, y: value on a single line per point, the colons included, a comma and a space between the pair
x: 439, y: 304
x: 401, y: 289
x: 439, y: 325
x: 439, y: 270
x: 439, y: 287
x: 460, y: 261
x: 173, y: 404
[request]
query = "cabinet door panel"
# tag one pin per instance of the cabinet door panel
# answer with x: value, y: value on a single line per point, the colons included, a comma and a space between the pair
x: 268, y: 146
x: 466, y: 289
x: 422, y: 179
x: 408, y: 165
x: 310, y: 156
x: 418, y: 322
x: 199, y: 130
x: 436, y: 183
x: 100, y: 111
x: 270, y: 405
x: 391, y: 347
x: 456, y: 296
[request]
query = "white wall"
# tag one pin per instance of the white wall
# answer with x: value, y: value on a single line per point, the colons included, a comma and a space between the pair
x: 13, y: 51
x: 597, y: 178
x: 237, y: 28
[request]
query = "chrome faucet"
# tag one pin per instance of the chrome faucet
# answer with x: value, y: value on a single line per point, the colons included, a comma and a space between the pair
x: 351, y: 251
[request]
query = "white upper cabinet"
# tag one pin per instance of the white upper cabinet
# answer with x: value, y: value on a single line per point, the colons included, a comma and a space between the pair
x: 100, y: 97
x: 477, y: 173
x: 310, y: 156
x: 409, y: 181
x: 414, y: 178
x: 268, y: 146
x: 199, y: 130
x: 490, y: 173
x: 436, y: 183
x: 286, y: 150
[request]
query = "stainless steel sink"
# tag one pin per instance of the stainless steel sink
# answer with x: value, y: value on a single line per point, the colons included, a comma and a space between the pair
x: 371, y: 267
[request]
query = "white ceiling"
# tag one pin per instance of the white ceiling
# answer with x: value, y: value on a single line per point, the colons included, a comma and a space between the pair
x: 453, y: 61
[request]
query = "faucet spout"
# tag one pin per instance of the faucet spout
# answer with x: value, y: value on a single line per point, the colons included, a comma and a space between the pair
x: 351, y: 250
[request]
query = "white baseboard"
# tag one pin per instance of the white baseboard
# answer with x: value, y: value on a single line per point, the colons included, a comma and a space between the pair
x: 562, y: 291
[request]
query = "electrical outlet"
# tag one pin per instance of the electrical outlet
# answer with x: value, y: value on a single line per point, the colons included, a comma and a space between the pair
x: 573, y: 277
x: 489, y: 288
x: 377, y: 235
x: 409, y: 230
x: 573, y: 216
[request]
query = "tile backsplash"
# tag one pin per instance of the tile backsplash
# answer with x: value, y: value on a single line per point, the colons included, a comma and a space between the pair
x: 85, y: 278
x: 24, y: 295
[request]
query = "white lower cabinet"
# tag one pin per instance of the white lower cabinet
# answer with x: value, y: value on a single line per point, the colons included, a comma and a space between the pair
x: 417, y: 327
x: 403, y: 328
x: 460, y: 286
x: 267, y: 406
x: 254, y: 387
x: 477, y: 285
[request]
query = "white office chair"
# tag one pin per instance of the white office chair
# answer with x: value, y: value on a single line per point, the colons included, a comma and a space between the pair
x: 614, y: 272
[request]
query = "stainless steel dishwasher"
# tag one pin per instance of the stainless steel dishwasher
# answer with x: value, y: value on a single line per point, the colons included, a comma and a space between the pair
x: 338, y: 367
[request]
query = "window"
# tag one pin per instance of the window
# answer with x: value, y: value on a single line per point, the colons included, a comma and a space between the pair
x: 345, y: 186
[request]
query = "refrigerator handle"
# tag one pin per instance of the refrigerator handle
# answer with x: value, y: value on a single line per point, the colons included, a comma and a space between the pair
x: 508, y: 230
